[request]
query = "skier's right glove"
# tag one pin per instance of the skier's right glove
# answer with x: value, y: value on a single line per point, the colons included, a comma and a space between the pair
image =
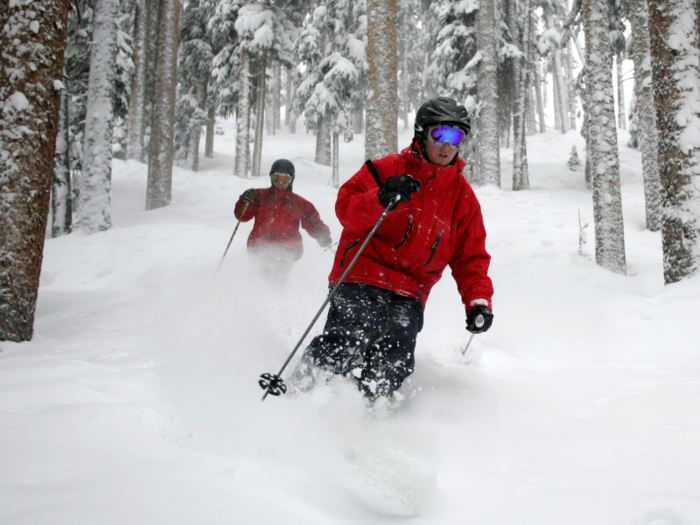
x: 479, y: 319
x: 249, y: 196
x: 403, y: 185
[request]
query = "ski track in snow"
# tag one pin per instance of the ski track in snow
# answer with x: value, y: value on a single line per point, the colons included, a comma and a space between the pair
x: 137, y: 401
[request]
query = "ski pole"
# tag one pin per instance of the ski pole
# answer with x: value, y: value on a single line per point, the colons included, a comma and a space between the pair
x: 274, y: 384
x: 245, y: 208
x: 479, y: 322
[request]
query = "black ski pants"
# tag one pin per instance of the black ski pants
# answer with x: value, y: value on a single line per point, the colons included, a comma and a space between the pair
x: 370, y: 336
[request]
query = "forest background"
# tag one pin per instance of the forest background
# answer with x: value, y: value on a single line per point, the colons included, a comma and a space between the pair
x: 88, y: 80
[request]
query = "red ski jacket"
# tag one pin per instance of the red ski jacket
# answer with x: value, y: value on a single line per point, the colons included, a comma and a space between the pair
x: 441, y: 225
x: 278, y: 215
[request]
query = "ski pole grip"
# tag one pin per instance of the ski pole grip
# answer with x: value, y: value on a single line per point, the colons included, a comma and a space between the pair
x: 479, y: 322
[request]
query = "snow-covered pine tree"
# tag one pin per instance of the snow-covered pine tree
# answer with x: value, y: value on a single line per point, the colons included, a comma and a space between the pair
x: 602, y: 153
x: 93, y: 205
x: 160, y: 155
x: 675, y: 49
x: 455, y: 67
x: 381, y: 134
x: 32, y: 39
x: 646, y: 112
x: 193, y: 72
x: 574, y: 162
x: 489, y: 171
x: 266, y: 31
x: 332, y: 53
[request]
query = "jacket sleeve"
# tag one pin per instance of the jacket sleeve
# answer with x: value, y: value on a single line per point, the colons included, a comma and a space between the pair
x: 470, y: 261
x: 311, y: 220
x: 249, y: 213
x: 358, y: 207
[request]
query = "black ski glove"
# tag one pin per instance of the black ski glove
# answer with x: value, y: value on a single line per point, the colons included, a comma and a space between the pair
x: 249, y: 196
x: 403, y: 185
x: 479, y: 319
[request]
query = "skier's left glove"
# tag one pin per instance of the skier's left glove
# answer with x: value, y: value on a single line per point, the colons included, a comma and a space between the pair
x: 324, y: 240
x: 479, y: 319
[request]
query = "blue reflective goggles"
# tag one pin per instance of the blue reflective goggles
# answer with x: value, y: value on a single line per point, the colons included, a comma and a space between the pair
x: 440, y: 135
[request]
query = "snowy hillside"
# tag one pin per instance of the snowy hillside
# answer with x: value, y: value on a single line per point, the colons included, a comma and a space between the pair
x: 137, y: 401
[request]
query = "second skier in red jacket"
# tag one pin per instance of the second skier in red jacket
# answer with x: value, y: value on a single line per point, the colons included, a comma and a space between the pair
x: 377, y: 312
x: 275, y: 242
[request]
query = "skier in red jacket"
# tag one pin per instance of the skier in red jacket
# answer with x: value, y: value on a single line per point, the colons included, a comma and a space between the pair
x: 377, y: 312
x: 275, y: 242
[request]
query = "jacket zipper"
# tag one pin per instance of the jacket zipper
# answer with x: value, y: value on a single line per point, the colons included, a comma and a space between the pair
x: 405, y: 237
x: 350, y: 247
x: 433, y: 249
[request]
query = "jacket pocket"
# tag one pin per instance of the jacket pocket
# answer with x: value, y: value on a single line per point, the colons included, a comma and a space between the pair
x: 433, y: 249
x: 405, y: 237
x: 350, y: 247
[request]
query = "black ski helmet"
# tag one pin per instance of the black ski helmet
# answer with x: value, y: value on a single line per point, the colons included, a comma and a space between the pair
x: 440, y: 110
x: 283, y: 166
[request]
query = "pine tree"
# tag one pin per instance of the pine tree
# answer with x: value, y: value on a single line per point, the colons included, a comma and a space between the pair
x: 136, y: 120
x: 381, y: 135
x: 93, y: 209
x: 32, y: 39
x: 646, y: 112
x: 332, y: 53
x: 551, y: 41
x: 675, y: 50
x: 487, y: 118
x: 602, y: 152
x: 61, y: 193
x: 160, y: 156
x: 193, y: 71
x: 521, y: 178
x: 456, y: 46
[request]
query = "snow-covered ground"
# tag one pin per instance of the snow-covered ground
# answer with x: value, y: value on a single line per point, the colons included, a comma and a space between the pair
x: 137, y: 401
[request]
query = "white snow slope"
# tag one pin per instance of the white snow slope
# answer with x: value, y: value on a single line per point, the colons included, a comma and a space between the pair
x: 137, y: 401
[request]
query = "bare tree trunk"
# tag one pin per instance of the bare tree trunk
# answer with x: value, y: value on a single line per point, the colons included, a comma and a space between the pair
x: 558, y: 74
x: 93, y: 205
x: 290, y: 119
x: 30, y: 99
x: 323, y: 143
x: 488, y: 148
x: 539, y: 102
x: 648, y: 134
x: 259, y: 117
x: 136, y: 126
x: 675, y: 62
x: 211, y: 128
x: 381, y: 137
x: 521, y: 179
x: 336, y: 161
x: 621, y: 110
x: 160, y: 158
x: 243, y: 124
x: 569, y: 81
x: 602, y: 151
x: 358, y: 120
x: 277, y: 95
x: 61, y: 194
